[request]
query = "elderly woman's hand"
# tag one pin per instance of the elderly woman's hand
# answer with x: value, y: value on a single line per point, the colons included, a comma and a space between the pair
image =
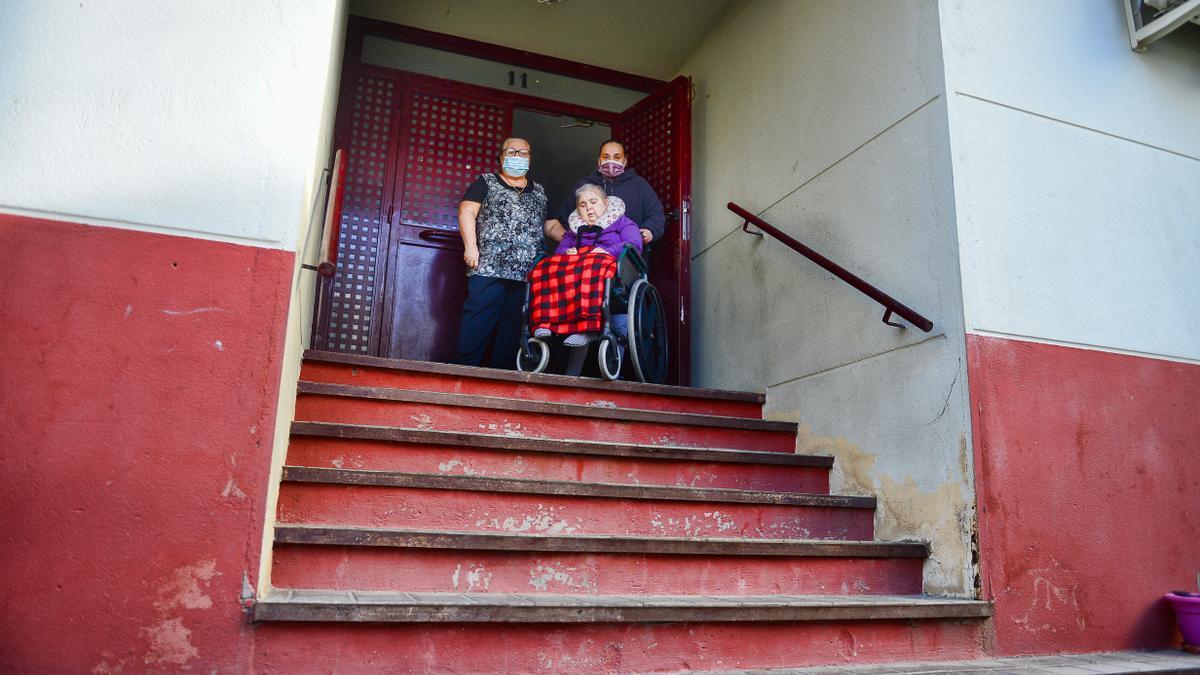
x: 471, y: 256
x: 647, y: 235
x: 572, y: 251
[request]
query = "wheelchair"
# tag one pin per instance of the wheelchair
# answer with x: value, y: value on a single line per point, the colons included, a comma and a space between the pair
x: 629, y: 292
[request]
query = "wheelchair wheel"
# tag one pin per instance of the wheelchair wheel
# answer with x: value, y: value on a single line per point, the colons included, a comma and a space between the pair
x: 609, y: 355
x: 541, y: 357
x: 647, y: 333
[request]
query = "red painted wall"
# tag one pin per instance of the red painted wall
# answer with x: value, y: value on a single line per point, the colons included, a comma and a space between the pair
x: 1088, y: 474
x: 137, y: 387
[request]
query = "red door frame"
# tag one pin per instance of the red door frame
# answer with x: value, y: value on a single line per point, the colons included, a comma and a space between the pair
x: 358, y: 26
x: 352, y: 68
x: 679, y: 93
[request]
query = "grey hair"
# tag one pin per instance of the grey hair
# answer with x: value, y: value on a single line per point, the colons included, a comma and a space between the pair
x: 510, y: 139
x: 590, y: 187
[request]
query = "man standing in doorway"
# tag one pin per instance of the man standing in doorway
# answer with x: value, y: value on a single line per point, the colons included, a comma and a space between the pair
x: 642, y: 205
x: 501, y: 219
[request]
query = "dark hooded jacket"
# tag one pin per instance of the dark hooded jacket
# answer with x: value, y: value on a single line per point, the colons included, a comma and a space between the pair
x: 641, y: 204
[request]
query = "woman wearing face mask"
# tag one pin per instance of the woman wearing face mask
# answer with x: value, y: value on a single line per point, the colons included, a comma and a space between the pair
x: 567, y: 289
x: 612, y: 173
x: 501, y: 220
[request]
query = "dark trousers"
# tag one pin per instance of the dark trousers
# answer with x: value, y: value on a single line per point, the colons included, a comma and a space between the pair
x: 491, y: 314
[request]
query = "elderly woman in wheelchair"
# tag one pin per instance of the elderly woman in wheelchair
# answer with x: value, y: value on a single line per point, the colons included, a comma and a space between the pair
x: 595, y: 288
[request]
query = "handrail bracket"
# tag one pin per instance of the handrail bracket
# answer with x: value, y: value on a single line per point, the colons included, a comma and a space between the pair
x: 747, y: 230
x: 887, y: 314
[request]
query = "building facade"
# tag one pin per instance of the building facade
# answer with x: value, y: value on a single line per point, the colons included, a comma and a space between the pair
x: 1014, y: 172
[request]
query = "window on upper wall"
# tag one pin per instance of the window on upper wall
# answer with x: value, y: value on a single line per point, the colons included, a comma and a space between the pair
x: 1149, y: 20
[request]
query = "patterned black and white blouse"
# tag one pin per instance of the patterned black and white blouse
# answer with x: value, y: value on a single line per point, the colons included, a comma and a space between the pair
x: 509, y: 226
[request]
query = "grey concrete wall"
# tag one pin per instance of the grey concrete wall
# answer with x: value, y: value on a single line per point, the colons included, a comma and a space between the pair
x: 829, y: 120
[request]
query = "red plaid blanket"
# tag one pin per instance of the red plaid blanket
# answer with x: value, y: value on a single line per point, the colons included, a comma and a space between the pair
x: 566, y: 292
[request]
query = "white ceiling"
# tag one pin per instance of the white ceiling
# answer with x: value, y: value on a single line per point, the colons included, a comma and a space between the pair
x: 645, y: 37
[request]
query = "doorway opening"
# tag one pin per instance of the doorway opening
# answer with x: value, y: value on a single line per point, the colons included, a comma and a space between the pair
x: 565, y: 149
x: 421, y: 116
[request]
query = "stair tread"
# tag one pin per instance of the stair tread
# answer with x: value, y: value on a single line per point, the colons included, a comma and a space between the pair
x: 532, y: 378
x: 568, y: 488
x: 542, y: 407
x: 554, y: 445
x: 336, y: 535
x: 330, y: 605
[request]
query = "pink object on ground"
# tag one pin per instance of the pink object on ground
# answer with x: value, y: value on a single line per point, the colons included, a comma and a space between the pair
x: 1187, y: 613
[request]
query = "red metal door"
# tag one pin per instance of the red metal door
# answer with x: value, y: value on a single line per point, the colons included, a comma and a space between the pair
x: 448, y: 135
x: 365, y: 130
x: 657, y: 132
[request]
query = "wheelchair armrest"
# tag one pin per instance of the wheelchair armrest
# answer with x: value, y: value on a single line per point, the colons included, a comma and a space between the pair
x: 542, y: 255
x: 628, y: 252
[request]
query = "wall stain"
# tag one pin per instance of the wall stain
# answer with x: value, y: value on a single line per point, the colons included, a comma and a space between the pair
x: 1055, y: 606
x: 964, y: 463
x: 944, y: 516
x: 170, y: 643
x: 941, y: 517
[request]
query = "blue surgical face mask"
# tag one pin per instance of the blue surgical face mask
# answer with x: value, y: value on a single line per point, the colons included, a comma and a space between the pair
x: 516, y: 166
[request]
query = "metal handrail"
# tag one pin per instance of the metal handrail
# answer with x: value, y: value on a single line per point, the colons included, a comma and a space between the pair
x: 333, y: 217
x: 890, y: 304
x: 326, y: 266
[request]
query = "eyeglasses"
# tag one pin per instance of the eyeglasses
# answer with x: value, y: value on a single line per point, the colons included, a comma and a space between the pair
x: 514, y: 152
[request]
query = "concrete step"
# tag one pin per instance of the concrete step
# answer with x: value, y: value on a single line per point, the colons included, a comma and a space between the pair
x: 313, y: 556
x: 353, y: 369
x: 468, y: 503
x: 448, y: 570
x: 427, y: 451
x: 449, y: 645
x: 354, y: 606
x: 360, y: 558
x: 346, y: 404
x: 582, y: 543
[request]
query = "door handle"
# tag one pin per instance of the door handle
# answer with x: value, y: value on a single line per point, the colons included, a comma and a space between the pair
x: 441, y: 236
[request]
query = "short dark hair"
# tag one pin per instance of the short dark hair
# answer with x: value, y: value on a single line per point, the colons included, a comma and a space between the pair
x: 612, y: 140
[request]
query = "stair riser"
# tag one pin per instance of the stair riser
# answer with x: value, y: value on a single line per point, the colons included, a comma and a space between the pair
x: 459, y: 461
x: 468, y: 511
x: 606, y: 647
x: 607, y: 398
x: 415, y: 570
x: 317, y: 408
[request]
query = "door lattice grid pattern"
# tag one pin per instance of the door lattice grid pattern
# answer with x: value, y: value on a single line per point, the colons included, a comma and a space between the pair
x: 449, y: 143
x: 358, y: 244
x: 649, y: 139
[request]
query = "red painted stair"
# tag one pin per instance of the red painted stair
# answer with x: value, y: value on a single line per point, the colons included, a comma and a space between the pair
x: 604, y: 526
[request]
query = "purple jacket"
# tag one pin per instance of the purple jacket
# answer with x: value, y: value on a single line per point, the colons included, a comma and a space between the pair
x: 618, y: 231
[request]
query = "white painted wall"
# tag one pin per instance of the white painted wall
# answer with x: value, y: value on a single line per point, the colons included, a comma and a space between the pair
x: 829, y: 120
x: 190, y: 118
x: 305, y: 283
x: 1076, y: 170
